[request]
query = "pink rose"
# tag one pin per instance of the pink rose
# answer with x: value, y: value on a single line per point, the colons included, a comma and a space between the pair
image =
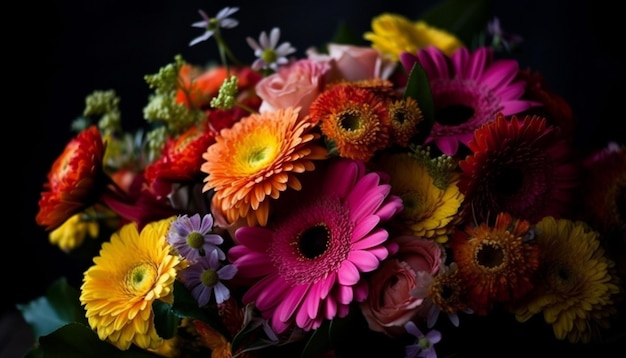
x: 389, y: 304
x: 295, y: 85
x: 354, y: 63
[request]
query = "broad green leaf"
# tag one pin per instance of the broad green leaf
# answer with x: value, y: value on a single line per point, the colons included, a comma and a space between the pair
x: 418, y: 88
x: 463, y: 18
x: 60, y: 306
x: 77, y: 340
x: 165, y: 321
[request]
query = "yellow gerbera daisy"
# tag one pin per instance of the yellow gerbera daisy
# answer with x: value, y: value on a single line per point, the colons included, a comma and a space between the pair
x: 393, y: 34
x: 259, y: 157
x: 133, y: 270
x: 578, y: 284
x: 431, y: 201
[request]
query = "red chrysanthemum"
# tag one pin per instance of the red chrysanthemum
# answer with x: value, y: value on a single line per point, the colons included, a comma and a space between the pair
x: 519, y: 166
x: 180, y: 160
x: 496, y: 263
x: 75, y: 180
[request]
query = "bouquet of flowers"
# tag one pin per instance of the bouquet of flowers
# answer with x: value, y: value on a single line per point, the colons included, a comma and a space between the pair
x: 357, y: 201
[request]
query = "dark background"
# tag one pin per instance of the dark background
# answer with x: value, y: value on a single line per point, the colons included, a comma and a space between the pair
x: 64, y: 50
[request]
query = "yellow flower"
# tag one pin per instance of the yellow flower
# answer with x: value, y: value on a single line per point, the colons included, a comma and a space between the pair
x: 429, y: 211
x: 578, y: 283
x: 393, y: 34
x: 72, y: 232
x: 133, y: 270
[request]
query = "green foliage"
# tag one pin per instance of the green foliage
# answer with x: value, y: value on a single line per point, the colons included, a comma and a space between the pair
x: 60, y: 306
x: 418, y: 88
x: 77, y: 340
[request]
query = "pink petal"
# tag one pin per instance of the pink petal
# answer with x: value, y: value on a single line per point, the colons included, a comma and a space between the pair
x: 266, y: 292
x: 499, y: 74
x: 393, y: 206
x: 330, y: 308
x: 459, y: 60
x: 255, y: 238
x: 291, y: 302
x: 345, y: 294
x: 434, y: 62
x: 365, y: 225
x: 516, y: 106
x: 374, y: 239
x: 448, y: 145
x: 348, y: 274
x: 365, y: 261
x: 326, y: 285
x: 252, y: 265
x: 312, y: 301
x: 480, y: 59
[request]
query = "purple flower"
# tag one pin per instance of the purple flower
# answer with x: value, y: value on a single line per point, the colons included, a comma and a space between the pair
x: 193, y: 237
x: 424, y: 347
x: 205, y: 276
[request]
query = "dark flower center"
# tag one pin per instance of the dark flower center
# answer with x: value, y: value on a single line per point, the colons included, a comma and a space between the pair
x: 349, y: 121
x: 453, y: 115
x: 313, y: 242
x: 490, y: 255
x: 508, y: 181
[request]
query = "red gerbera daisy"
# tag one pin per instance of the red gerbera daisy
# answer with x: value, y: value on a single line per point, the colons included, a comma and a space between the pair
x: 75, y: 180
x: 496, y: 263
x: 520, y: 166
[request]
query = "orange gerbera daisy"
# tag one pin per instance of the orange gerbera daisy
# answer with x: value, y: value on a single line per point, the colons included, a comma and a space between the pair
x: 354, y: 118
x: 496, y: 263
x: 259, y: 157
x: 75, y: 180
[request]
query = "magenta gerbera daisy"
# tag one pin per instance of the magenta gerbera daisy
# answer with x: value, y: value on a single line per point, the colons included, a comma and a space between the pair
x: 468, y: 89
x: 307, y: 266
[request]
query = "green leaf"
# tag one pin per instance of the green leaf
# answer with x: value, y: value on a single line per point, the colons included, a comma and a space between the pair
x: 418, y: 88
x: 165, y: 321
x: 60, y: 306
x: 77, y: 340
x: 463, y: 18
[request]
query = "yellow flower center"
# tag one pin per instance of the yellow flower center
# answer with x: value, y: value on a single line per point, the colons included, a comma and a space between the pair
x: 269, y: 56
x: 141, y: 278
x: 258, y: 151
x: 195, y: 240
x: 209, y: 278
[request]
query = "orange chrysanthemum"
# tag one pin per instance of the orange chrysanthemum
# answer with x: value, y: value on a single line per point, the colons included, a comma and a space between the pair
x: 354, y: 118
x: 496, y: 263
x: 257, y: 159
x: 405, y: 117
x: 75, y: 180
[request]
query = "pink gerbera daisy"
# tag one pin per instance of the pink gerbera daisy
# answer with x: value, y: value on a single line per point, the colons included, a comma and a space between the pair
x: 468, y: 89
x: 307, y: 265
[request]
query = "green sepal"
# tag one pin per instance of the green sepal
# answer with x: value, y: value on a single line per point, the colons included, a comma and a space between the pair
x: 418, y: 88
x: 60, y: 305
x: 78, y: 340
x: 465, y: 19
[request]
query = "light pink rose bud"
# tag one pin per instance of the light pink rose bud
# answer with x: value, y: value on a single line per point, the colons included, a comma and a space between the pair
x: 295, y: 85
x: 354, y: 63
x: 389, y: 304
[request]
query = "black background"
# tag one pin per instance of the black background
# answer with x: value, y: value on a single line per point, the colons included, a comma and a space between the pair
x: 61, y: 51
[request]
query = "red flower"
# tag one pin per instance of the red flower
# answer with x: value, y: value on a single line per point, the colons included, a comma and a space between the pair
x: 75, y: 180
